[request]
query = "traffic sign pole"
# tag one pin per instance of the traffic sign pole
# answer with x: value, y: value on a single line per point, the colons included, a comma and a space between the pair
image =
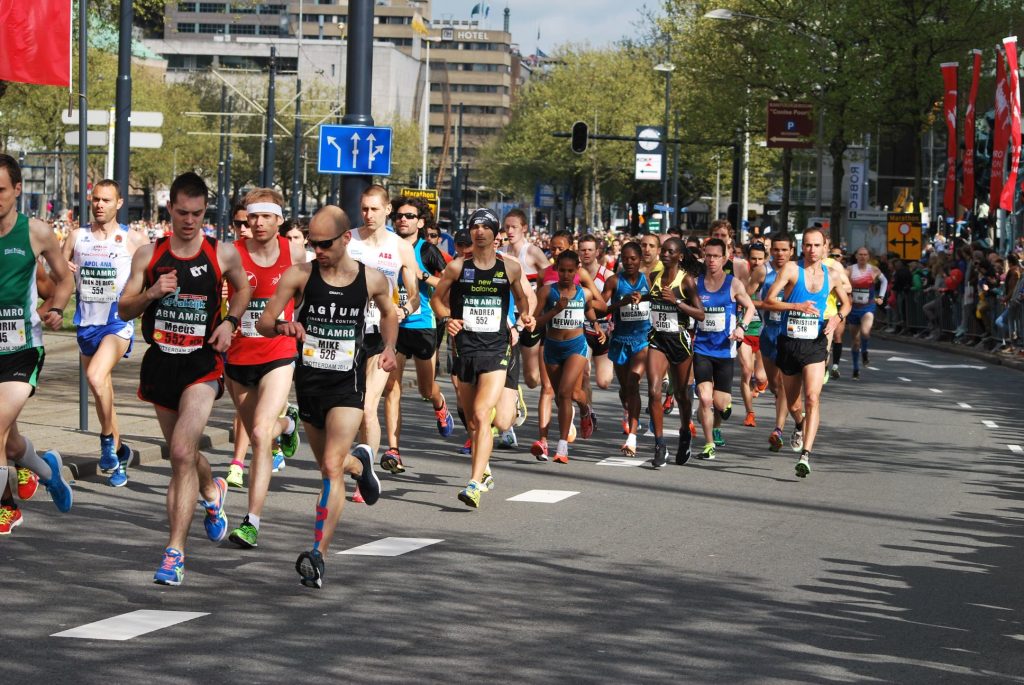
x: 358, y: 90
x: 122, y: 129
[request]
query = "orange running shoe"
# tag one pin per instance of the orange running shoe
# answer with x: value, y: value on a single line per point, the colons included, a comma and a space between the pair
x: 28, y: 483
x: 749, y: 421
x: 693, y: 430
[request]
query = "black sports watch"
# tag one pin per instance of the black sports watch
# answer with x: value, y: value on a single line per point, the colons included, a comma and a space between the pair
x: 233, y: 320
x: 841, y: 317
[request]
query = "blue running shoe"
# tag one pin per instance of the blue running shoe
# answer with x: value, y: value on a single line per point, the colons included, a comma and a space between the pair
x: 108, y: 457
x: 445, y: 422
x: 278, y: 460
x: 172, y: 568
x: 310, y: 566
x: 467, y: 448
x: 120, y: 475
x: 216, y: 520
x: 58, y: 488
x: 369, y: 484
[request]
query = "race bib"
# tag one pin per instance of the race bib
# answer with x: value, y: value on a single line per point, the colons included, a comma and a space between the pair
x: 635, y: 312
x: 802, y: 326
x: 861, y: 295
x: 481, y: 314
x: 97, y: 284
x: 12, y: 331
x: 714, y: 320
x: 179, y: 323
x: 403, y: 298
x: 569, y: 318
x: 665, y: 319
x: 329, y: 347
x: 372, y: 316
x: 252, y: 314
x: 775, y: 317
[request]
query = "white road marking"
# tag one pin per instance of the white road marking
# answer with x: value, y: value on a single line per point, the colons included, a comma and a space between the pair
x: 905, y: 379
x: 670, y: 432
x: 990, y: 424
x: 621, y: 461
x: 390, y: 547
x: 1016, y: 449
x: 543, y: 496
x: 964, y: 405
x: 934, y: 366
x: 132, y: 624
x: 936, y: 391
x: 873, y: 368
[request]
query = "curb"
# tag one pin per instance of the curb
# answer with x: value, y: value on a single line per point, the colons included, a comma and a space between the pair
x: 960, y: 350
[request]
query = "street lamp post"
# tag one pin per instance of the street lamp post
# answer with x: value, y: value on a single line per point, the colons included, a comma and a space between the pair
x: 666, y: 68
x: 425, y: 107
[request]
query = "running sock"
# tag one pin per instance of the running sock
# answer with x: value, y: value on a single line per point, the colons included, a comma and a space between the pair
x: 837, y: 352
x: 321, y: 514
x: 123, y: 451
x: 240, y: 464
x: 631, y: 441
x: 800, y: 425
x: 563, y: 447
x: 864, y: 344
x: 290, y: 428
x: 804, y: 454
x: 5, y: 475
x: 253, y: 519
x: 31, y: 461
x: 856, y: 358
x: 659, y: 440
x: 432, y: 403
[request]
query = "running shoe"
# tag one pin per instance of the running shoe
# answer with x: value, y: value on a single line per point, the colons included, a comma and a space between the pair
x: 762, y: 386
x: 693, y: 430
x: 58, y: 488
x: 660, y: 455
x: 172, y: 568
x: 310, y: 566
x: 369, y: 484
x: 467, y: 448
x: 668, y: 403
x: 572, y: 426
x: 683, y: 451
x: 245, y: 535
x: 834, y: 372
x: 445, y: 422
x: 716, y: 435
x: 509, y: 439
x: 119, y: 478
x: 216, y: 521
x: 10, y: 518
x: 775, y: 441
x: 708, y: 452
x: 825, y: 379
x: 726, y: 413
x: 750, y: 421
x: 803, y: 467
x: 864, y: 356
x: 628, y: 449
x: 236, y: 476
x: 487, y: 484
x: 796, y: 440
x: 588, y: 423
x: 278, y: 456
x: 539, y: 449
x: 391, y: 461
x: 290, y: 441
x: 560, y: 458
x: 521, y: 411
x: 470, y: 495
x: 856, y: 375
x: 28, y: 483
x: 108, y: 455
x: 356, y: 497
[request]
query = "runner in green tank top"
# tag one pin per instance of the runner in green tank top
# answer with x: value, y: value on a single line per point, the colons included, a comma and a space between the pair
x: 753, y: 378
x: 22, y: 242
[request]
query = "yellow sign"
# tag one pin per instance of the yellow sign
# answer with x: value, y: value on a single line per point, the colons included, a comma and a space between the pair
x: 427, y: 195
x: 904, y: 235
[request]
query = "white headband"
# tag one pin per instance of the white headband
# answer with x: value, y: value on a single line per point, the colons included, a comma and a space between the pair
x: 265, y: 208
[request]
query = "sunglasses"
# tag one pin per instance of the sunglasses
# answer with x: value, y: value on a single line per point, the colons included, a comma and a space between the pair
x: 432, y: 236
x: 406, y: 215
x: 238, y: 223
x: 324, y: 244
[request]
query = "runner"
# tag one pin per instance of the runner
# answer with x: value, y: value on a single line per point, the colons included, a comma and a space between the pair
x: 863, y: 276
x: 715, y: 346
x: 175, y: 284
x: 100, y: 255
x: 329, y: 330
x: 751, y: 365
x: 590, y: 259
x: 378, y: 248
x: 674, y: 304
x: 415, y: 333
x: 534, y: 263
x: 562, y: 308
x: 258, y: 370
x: 480, y: 288
x: 803, y: 344
x: 625, y: 292
x: 22, y: 242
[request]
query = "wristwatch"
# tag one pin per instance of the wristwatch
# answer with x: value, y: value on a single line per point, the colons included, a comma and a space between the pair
x: 742, y: 326
x: 55, y: 309
x: 405, y: 310
x: 841, y: 317
x: 233, y: 320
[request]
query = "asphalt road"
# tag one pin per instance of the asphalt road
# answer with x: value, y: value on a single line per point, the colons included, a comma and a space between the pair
x: 897, y: 560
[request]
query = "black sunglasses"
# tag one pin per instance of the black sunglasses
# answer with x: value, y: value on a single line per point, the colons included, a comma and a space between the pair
x: 433, y: 235
x: 325, y: 244
x: 406, y: 215
x: 238, y: 223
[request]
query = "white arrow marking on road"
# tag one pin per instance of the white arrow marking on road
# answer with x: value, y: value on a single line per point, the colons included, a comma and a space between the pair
x: 934, y: 366
x: 990, y: 424
x: 936, y: 391
x: 905, y: 379
x: 963, y: 405
x: 543, y: 496
x: 355, y: 148
x: 132, y: 624
x: 331, y: 140
x: 390, y: 547
x: 1016, y: 449
x: 621, y: 461
x: 873, y: 368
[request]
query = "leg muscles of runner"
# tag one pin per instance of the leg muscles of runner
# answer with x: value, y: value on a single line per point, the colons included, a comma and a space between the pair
x: 657, y: 365
x: 376, y: 379
x: 262, y: 410
x: 97, y: 370
x: 532, y: 367
x: 331, y: 446
x: 393, y: 402
x: 603, y: 371
x: 547, y: 395
x: 706, y: 395
x: 812, y: 376
x: 746, y: 354
x: 681, y: 375
x: 478, y: 401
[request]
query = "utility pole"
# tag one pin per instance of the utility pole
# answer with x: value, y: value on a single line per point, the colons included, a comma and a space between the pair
x: 358, y: 81
x: 269, y: 149
x: 221, y: 178
x: 228, y: 157
x: 83, y: 177
x: 676, y: 216
x: 297, y: 150
x: 122, y: 130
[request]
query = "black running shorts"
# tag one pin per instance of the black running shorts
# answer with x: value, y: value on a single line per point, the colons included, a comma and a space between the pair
x: 469, y: 367
x: 794, y: 354
x: 164, y: 377
x: 249, y: 375
x: 416, y: 342
x: 22, y: 367
x: 716, y: 370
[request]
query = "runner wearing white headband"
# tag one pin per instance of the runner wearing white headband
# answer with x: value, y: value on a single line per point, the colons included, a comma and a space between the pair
x: 264, y: 207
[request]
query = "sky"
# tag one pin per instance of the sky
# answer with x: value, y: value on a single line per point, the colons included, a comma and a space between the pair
x: 597, y: 22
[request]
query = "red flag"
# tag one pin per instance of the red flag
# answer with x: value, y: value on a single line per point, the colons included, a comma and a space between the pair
x: 1013, y: 87
x: 967, y: 194
x: 949, y: 78
x: 35, y: 42
x: 1001, y: 135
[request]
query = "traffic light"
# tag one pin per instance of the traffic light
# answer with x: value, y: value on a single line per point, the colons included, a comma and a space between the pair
x: 579, y: 137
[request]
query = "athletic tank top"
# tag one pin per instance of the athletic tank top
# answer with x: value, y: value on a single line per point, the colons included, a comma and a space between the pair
x: 550, y: 276
x: 713, y: 333
x: 20, y: 326
x: 424, y: 316
x: 570, y: 318
x: 334, y: 318
x: 531, y: 273
x: 806, y: 326
x: 480, y: 298
x: 602, y: 276
x: 772, y: 320
x: 183, y: 321
x: 248, y: 347
x: 103, y: 269
x: 863, y: 283
x: 385, y: 258
x: 632, y: 319
x: 666, y: 317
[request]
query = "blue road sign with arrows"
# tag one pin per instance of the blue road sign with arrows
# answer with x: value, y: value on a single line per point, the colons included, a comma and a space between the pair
x: 361, y: 150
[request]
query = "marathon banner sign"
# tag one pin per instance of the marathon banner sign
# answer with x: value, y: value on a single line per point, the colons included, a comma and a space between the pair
x: 967, y: 194
x: 1001, y: 135
x: 36, y: 40
x: 1013, y: 88
x: 949, y: 80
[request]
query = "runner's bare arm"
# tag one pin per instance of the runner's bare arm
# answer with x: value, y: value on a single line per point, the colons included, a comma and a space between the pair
x: 690, y: 303
x: 540, y: 317
x: 68, y: 249
x: 136, y: 239
x: 439, y: 300
x: 136, y: 296
x: 771, y: 301
x: 298, y: 253
x: 739, y: 293
x: 231, y: 267
x: 410, y: 277
x: 379, y: 290
x: 587, y: 281
x: 290, y: 287
x: 522, y: 292
x: 44, y: 243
